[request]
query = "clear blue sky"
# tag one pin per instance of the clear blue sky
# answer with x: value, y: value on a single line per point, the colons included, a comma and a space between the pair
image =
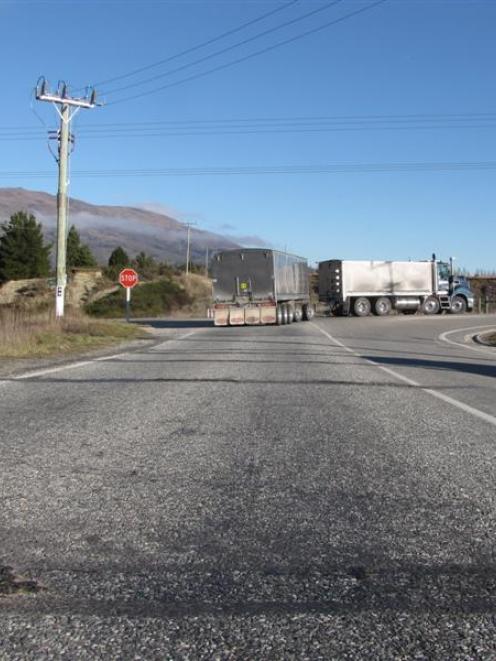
x: 402, y: 58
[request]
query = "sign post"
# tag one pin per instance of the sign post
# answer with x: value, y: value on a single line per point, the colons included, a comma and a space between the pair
x: 128, y: 278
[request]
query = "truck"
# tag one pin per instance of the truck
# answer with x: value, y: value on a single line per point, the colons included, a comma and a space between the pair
x: 362, y: 287
x: 259, y: 286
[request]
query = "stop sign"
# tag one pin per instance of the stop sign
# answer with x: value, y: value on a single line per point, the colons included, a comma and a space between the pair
x: 128, y: 278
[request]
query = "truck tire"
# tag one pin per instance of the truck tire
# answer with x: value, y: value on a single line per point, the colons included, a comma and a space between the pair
x: 285, y: 314
x: 361, y: 307
x: 458, y: 305
x: 431, y: 305
x: 290, y: 313
x: 382, y: 306
x: 298, y: 313
x: 308, y: 312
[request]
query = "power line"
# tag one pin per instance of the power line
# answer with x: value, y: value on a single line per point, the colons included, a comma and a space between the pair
x: 203, y: 44
x: 258, y: 126
x: 279, y: 119
x: 238, y: 44
x: 331, y: 168
x: 124, y: 135
x: 198, y: 2
x: 251, y: 55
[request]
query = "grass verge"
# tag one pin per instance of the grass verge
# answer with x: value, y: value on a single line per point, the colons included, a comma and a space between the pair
x: 37, y: 334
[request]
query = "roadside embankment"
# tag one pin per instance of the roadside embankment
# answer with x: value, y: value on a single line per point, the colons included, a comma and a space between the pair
x: 181, y: 295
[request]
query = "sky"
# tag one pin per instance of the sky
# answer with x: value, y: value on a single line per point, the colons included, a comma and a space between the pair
x: 372, y: 137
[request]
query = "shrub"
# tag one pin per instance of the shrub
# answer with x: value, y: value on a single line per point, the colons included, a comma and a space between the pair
x: 150, y: 299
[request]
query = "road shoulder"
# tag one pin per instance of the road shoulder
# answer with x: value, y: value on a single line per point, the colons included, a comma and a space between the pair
x: 159, y: 330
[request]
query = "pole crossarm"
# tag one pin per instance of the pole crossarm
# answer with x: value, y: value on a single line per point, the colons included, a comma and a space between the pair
x: 66, y: 101
x: 61, y: 97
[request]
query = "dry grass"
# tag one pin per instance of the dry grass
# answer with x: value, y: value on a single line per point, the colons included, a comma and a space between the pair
x: 26, y: 333
x: 199, y: 289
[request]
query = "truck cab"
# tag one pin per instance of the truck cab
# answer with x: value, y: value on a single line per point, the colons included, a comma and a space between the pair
x: 454, y: 289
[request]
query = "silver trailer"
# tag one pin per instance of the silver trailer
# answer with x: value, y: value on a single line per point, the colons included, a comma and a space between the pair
x: 259, y: 286
x: 362, y: 287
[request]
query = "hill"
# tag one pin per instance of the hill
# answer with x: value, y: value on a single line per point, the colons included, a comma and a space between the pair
x: 104, y: 227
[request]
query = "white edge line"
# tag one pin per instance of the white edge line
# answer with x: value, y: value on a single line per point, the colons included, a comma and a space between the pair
x: 444, y: 338
x: 434, y: 393
x: 82, y: 363
x: 180, y: 337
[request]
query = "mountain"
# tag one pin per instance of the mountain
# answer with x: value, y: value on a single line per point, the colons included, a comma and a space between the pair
x: 105, y: 227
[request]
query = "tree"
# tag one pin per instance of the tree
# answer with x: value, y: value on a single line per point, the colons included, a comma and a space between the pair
x: 146, y: 266
x: 119, y: 259
x: 78, y: 254
x: 23, y: 252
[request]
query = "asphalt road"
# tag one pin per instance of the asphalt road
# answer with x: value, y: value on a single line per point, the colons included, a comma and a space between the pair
x: 322, y: 490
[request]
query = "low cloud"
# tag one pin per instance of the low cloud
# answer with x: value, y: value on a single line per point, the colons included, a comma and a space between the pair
x: 251, y: 241
x: 171, y: 212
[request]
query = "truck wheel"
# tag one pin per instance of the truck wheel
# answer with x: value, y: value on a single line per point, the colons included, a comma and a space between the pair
x: 279, y: 316
x: 361, y: 307
x: 382, y: 306
x: 308, y: 312
x: 431, y: 305
x: 290, y: 314
x: 458, y: 305
x: 285, y: 314
x: 298, y: 313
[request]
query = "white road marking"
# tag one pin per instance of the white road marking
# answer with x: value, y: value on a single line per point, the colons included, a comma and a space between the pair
x: 444, y: 338
x: 82, y: 363
x: 434, y: 393
x: 180, y: 337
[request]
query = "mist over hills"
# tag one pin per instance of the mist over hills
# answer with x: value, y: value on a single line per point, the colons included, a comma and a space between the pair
x: 104, y: 227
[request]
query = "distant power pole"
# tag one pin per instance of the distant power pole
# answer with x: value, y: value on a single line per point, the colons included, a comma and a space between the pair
x: 61, y: 98
x: 188, y: 225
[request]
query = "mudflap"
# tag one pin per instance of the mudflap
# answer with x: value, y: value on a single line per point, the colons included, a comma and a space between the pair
x: 221, y: 316
x: 236, y: 316
x: 252, y: 315
x: 268, y: 314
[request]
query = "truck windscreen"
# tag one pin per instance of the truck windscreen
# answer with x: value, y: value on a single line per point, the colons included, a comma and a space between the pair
x: 443, y: 271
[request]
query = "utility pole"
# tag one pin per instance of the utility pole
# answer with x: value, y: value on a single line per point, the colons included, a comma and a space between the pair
x: 63, y: 161
x: 62, y: 100
x: 188, y: 225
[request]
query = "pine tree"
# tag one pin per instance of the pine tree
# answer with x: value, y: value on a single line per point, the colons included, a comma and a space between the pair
x: 78, y: 254
x: 23, y: 253
x: 119, y: 259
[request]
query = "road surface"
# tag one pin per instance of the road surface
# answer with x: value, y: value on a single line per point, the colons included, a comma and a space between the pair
x: 314, y: 491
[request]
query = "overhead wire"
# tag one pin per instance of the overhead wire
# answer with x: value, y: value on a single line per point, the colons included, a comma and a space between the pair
x: 241, y: 121
x: 330, y: 168
x: 263, y: 126
x: 226, y: 49
x: 199, y: 46
x: 251, y: 55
